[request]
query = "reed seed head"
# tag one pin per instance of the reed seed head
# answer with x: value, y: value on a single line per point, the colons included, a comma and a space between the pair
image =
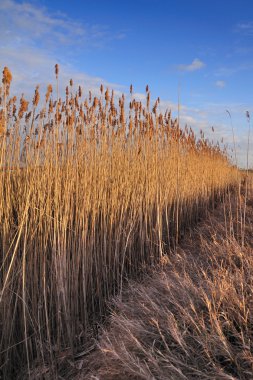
x: 56, y: 70
x: 7, y: 76
x: 36, y: 97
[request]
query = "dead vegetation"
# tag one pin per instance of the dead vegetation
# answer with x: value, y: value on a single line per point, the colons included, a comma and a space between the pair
x: 189, y: 319
x: 92, y: 190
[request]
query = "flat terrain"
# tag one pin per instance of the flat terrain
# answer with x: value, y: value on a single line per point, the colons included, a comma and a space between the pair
x: 96, y: 191
x: 191, y: 317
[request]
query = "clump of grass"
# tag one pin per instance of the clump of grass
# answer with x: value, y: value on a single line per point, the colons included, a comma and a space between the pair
x: 90, y: 192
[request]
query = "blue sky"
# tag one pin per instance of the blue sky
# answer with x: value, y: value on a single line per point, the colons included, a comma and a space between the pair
x: 206, y: 46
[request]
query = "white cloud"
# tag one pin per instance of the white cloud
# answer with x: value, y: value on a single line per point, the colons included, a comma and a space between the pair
x: 33, y: 40
x: 139, y: 96
x: 220, y: 83
x: 207, y: 115
x: 23, y: 23
x: 196, y: 64
x: 32, y: 66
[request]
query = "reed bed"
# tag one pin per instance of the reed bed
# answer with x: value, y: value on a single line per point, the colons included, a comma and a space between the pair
x: 191, y: 318
x: 90, y: 192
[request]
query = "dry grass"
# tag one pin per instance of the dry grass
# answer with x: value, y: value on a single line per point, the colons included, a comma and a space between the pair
x: 90, y: 193
x: 190, y: 319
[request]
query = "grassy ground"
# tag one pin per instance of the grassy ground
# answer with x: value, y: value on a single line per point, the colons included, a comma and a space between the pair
x: 191, y: 317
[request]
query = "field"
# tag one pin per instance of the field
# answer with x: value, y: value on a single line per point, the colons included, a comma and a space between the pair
x: 191, y: 318
x: 96, y: 190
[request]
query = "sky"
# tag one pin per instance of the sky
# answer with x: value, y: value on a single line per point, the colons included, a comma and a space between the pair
x: 200, y: 51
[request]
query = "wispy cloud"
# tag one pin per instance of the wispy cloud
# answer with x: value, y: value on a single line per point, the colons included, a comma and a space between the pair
x: 207, y: 115
x: 26, y: 23
x: 32, y: 66
x: 196, y: 64
x: 245, y: 28
x: 227, y: 71
x: 34, y: 39
x: 220, y: 83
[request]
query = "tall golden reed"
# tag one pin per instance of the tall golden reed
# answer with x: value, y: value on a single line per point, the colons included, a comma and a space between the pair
x: 90, y: 192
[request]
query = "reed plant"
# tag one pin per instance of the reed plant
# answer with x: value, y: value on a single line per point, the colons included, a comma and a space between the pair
x: 92, y: 190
